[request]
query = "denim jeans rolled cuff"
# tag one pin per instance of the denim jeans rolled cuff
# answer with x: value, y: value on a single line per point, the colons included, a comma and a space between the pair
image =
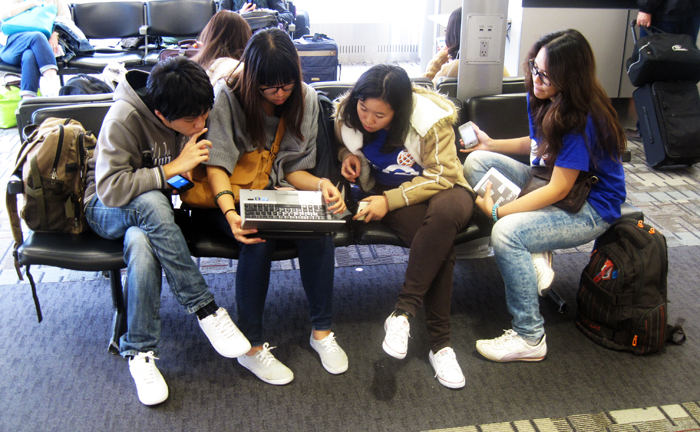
x: 153, y: 245
x: 515, y: 237
x: 33, y: 53
x: 48, y: 67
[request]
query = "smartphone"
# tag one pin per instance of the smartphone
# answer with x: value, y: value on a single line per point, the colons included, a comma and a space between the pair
x: 361, y: 206
x: 180, y: 183
x: 468, y: 135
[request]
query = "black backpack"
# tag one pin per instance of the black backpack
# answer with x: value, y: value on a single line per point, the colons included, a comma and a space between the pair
x: 622, y: 297
x: 84, y: 84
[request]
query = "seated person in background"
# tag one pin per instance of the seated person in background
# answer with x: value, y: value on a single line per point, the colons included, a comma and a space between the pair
x: 243, y: 6
x: 148, y: 136
x: 398, y: 142
x: 222, y: 41
x: 265, y: 106
x: 446, y: 61
x: 573, y: 128
x: 35, y: 54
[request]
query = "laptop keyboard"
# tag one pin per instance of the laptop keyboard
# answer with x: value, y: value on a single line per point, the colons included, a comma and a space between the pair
x: 286, y: 211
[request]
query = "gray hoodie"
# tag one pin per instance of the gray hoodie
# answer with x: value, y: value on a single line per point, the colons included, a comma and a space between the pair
x: 129, y: 128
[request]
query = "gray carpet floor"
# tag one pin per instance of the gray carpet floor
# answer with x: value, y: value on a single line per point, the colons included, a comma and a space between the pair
x: 58, y: 376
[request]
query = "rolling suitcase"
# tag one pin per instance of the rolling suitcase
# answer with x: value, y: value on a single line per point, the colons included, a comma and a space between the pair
x: 669, y: 122
x: 319, y: 58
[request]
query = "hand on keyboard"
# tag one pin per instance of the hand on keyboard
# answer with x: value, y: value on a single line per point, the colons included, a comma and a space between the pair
x: 333, y: 197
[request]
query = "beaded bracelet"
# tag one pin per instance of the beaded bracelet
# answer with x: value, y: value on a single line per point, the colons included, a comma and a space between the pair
x: 223, y: 192
x: 494, y: 212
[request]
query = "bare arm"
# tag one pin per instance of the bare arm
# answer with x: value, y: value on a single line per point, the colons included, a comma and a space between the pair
x: 219, y: 181
x: 504, y: 146
x: 559, y: 186
x: 304, y: 180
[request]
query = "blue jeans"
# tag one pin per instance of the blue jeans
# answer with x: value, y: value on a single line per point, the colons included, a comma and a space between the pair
x: 516, y: 236
x: 153, y: 244
x: 31, y: 51
x: 317, y: 268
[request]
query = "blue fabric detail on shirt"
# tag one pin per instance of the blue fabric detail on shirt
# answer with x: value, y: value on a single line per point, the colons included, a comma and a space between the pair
x: 609, y: 193
x: 390, y: 169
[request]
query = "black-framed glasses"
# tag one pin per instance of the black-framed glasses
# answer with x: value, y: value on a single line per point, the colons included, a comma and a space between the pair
x: 535, y: 71
x: 269, y: 91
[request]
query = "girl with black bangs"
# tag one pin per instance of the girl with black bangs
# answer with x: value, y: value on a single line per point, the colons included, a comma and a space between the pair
x: 268, y: 106
x: 397, y: 144
x: 573, y: 128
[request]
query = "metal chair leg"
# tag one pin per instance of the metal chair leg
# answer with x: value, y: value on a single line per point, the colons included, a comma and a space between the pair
x: 556, y: 298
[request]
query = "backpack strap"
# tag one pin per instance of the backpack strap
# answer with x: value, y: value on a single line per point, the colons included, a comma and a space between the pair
x: 37, y: 306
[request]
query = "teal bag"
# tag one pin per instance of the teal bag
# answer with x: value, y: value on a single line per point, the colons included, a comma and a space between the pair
x: 38, y: 18
x: 9, y: 101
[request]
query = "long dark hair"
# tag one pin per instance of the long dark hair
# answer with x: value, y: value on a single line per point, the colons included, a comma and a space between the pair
x: 571, y: 70
x: 390, y: 84
x: 453, y: 33
x: 270, y: 59
x: 225, y: 35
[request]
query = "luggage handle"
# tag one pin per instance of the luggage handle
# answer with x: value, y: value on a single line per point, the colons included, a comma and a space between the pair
x: 633, y: 24
x: 316, y: 37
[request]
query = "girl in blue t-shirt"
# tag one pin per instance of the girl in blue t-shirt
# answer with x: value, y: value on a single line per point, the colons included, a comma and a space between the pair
x: 573, y: 127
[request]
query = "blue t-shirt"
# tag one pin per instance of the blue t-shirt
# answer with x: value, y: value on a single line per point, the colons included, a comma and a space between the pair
x: 609, y: 192
x: 390, y: 169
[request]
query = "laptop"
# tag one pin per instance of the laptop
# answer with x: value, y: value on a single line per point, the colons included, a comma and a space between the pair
x: 286, y: 211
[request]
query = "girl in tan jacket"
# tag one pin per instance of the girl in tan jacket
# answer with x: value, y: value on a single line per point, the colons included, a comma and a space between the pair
x: 398, y: 143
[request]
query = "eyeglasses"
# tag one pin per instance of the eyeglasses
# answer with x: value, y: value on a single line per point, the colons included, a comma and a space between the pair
x: 534, y: 70
x: 269, y: 91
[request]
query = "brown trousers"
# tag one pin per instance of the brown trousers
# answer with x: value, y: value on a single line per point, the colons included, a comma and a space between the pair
x: 429, y: 228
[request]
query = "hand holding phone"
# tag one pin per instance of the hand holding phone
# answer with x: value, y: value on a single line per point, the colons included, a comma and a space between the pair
x: 468, y: 135
x: 361, y: 206
x: 180, y: 183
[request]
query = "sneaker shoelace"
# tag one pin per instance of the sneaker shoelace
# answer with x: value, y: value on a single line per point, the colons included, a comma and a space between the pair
x: 146, y: 369
x: 508, y: 337
x: 446, y: 363
x: 265, y: 356
x: 329, y: 344
x: 223, y: 325
x: 396, y: 331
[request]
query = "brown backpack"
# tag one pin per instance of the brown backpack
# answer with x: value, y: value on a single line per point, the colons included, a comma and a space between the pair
x: 52, y: 163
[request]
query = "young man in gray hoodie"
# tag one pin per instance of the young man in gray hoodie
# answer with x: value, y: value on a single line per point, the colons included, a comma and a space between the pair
x: 147, y: 137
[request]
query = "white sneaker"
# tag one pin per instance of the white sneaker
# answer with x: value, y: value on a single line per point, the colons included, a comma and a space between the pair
x: 333, y: 358
x: 446, y: 368
x: 150, y: 385
x: 266, y: 367
x: 50, y: 86
x: 397, y: 333
x: 512, y: 347
x: 223, y: 334
x: 543, y: 269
